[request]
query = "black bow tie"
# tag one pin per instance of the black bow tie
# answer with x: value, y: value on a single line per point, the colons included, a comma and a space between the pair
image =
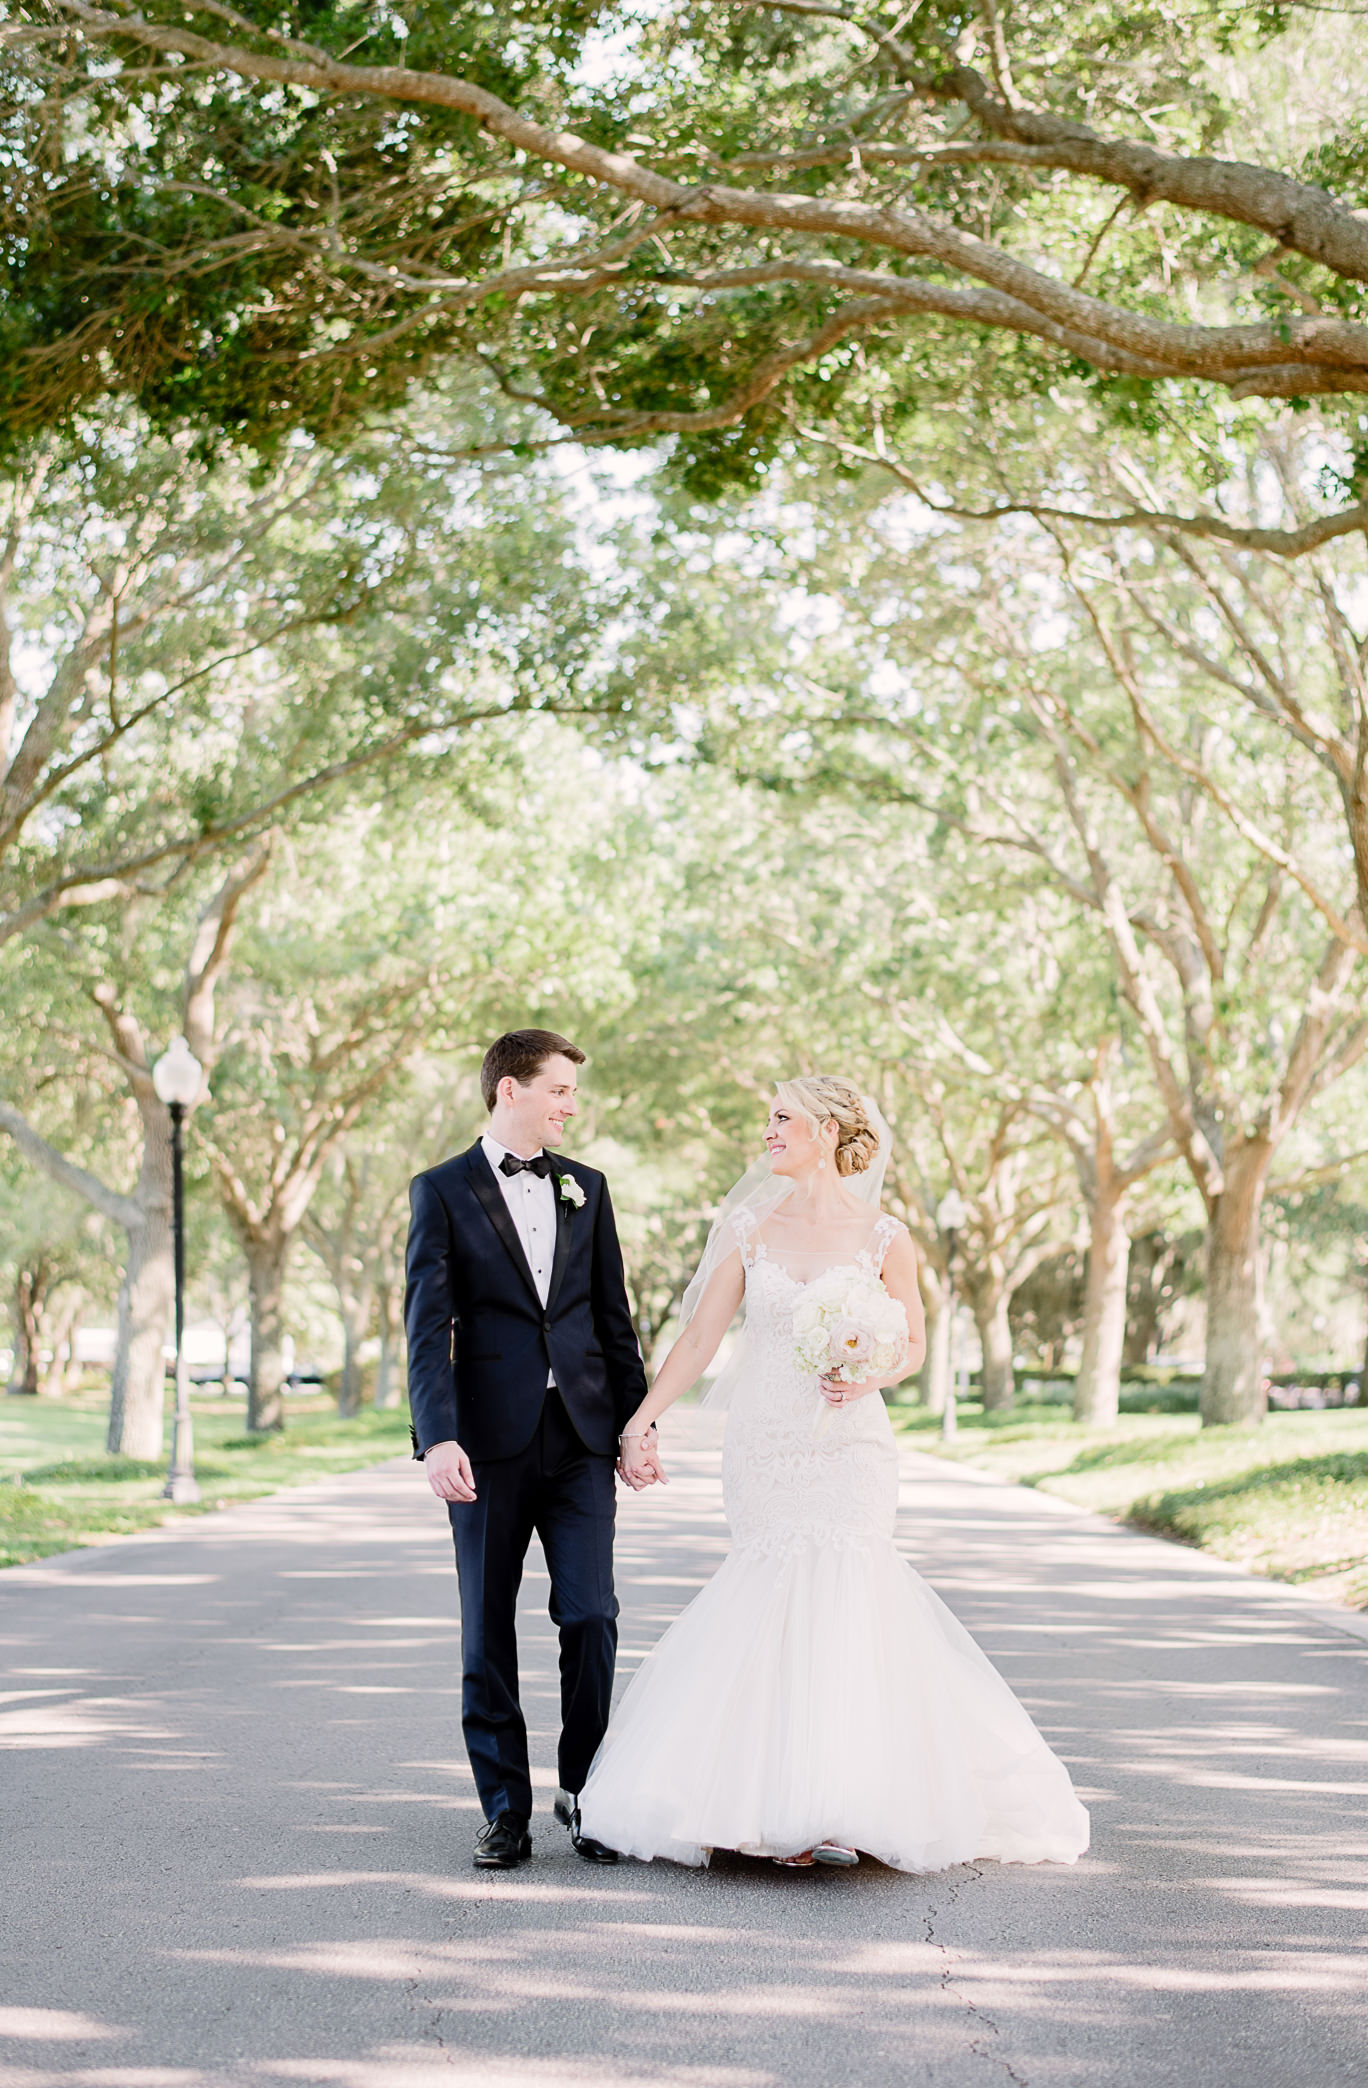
x: 512, y: 1165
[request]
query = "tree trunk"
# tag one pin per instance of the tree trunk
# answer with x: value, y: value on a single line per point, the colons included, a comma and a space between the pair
x: 1148, y: 1256
x: 1097, y: 1393
x: 934, y: 1377
x: 27, y: 1304
x: 386, y: 1369
x: 58, y: 1329
x: 146, y: 1299
x: 266, y: 1258
x: 1233, y: 1388
x: 355, y: 1324
x: 356, y: 1310
x: 386, y: 1375
x: 995, y: 1335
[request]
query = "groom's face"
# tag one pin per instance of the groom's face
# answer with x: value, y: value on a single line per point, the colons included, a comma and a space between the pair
x: 542, y: 1109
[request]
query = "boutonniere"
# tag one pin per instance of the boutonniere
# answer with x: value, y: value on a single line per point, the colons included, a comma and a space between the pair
x: 571, y: 1192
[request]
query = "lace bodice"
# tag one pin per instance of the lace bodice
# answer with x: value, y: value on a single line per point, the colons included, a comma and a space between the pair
x: 795, y: 1472
x: 869, y: 1259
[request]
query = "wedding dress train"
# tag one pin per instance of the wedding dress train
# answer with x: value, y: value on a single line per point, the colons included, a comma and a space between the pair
x: 817, y: 1689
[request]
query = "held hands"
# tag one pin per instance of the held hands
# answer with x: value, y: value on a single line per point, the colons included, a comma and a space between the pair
x: 450, y: 1476
x: 449, y: 1473
x: 639, y: 1463
x: 837, y: 1394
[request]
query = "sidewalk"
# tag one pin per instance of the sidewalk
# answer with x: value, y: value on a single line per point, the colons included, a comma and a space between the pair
x: 237, y: 1829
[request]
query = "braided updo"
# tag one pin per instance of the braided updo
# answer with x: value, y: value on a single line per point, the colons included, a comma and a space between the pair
x: 825, y: 1097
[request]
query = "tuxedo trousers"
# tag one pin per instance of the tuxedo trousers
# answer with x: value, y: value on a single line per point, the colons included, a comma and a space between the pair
x: 564, y: 1493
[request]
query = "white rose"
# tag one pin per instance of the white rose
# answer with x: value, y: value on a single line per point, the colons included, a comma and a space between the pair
x: 810, y: 1351
x: 807, y: 1313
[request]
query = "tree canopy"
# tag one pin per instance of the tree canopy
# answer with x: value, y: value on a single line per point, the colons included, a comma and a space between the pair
x: 720, y: 222
x: 964, y: 683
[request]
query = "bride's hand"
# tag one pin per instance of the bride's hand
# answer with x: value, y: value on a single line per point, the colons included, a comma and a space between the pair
x: 639, y: 1461
x: 837, y: 1394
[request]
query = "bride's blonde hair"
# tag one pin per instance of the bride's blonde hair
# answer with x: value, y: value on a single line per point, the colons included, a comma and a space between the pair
x: 821, y: 1098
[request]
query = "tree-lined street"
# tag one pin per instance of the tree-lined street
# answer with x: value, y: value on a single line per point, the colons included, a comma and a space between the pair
x: 764, y: 535
x: 238, y: 1827
x: 767, y: 538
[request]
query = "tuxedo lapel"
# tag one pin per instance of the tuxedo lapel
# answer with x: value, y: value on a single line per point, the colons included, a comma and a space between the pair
x: 480, y: 1175
x: 565, y: 1214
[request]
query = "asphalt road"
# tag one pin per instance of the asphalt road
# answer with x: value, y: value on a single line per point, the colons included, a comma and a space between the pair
x: 237, y: 1829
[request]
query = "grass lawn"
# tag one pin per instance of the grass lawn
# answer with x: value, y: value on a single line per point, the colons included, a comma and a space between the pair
x: 1288, y: 1498
x: 59, y: 1488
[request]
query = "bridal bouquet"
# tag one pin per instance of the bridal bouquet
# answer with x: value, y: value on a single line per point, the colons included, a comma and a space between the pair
x: 845, y: 1326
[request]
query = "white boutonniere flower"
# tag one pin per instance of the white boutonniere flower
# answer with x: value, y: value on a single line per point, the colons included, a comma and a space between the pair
x: 571, y: 1191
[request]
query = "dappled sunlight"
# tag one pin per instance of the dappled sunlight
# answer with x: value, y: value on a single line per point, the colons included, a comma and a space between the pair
x: 82, y: 1722
x: 393, y: 2068
x: 57, y: 1573
x: 1287, y: 1892
x: 108, y: 2077
x: 57, y: 2025
x: 250, y: 1705
x: 522, y: 1890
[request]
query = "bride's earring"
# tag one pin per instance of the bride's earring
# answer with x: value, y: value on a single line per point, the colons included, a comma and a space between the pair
x: 820, y: 1165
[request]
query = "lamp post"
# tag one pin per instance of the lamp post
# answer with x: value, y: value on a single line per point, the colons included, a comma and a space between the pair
x: 950, y: 1217
x: 177, y: 1076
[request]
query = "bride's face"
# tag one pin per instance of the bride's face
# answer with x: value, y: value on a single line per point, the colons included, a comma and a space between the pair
x: 794, y: 1148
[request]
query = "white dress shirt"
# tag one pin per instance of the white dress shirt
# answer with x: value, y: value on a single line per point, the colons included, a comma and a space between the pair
x: 531, y: 1201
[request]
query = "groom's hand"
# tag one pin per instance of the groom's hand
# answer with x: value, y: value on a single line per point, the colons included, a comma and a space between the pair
x: 639, y: 1462
x: 449, y: 1473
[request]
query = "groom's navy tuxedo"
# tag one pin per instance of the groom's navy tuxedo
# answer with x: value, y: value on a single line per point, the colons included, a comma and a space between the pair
x: 482, y: 1346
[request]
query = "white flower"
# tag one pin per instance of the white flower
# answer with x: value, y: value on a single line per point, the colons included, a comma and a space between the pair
x: 810, y: 1349
x: 571, y: 1191
x: 851, y: 1341
x: 847, y: 1327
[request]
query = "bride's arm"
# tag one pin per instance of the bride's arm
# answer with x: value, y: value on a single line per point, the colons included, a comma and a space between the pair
x: 899, y: 1273
x: 900, y: 1281
x: 694, y: 1350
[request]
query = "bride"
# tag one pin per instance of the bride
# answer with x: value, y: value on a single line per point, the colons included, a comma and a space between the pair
x: 816, y: 1699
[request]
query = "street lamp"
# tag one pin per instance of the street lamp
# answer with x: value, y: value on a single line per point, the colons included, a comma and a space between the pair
x: 950, y: 1217
x: 177, y: 1076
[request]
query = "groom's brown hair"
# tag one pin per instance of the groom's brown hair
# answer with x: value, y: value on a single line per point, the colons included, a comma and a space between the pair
x: 520, y: 1055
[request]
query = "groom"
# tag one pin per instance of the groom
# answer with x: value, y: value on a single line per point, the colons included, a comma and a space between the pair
x: 523, y: 1368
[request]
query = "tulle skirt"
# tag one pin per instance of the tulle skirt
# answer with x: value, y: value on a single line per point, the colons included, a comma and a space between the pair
x: 823, y: 1692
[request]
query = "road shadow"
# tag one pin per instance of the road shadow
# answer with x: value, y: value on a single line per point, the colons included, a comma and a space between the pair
x: 240, y: 1824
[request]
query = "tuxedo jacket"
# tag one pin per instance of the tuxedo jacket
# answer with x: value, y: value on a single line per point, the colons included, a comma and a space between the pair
x: 480, y: 1341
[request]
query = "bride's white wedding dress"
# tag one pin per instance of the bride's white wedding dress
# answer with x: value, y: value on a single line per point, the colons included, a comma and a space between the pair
x: 816, y: 1689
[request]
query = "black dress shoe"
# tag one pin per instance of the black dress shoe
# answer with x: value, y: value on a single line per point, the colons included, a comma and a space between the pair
x: 503, y: 1844
x: 566, y: 1809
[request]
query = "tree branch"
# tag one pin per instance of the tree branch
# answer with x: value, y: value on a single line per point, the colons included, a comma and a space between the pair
x: 92, y: 884
x: 1275, y: 358
x: 209, y: 953
x: 1311, y: 1177
x: 1345, y: 927
x: 1308, y: 1045
x: 121, y: 1209
x: 1283, y: 543
x: 1303, y: 219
